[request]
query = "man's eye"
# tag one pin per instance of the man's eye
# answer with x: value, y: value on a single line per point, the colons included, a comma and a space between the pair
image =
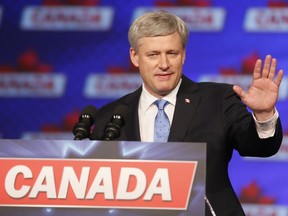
x: 173, y: 53
x: 152, y: 55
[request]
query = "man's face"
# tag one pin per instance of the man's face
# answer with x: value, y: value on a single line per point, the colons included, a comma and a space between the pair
x: 160, y: 61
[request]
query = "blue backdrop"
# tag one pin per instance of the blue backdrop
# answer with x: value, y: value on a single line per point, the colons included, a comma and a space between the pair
x: 72, y: 56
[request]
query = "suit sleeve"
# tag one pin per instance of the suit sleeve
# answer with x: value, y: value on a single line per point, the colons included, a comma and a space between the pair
x: 241, y: 129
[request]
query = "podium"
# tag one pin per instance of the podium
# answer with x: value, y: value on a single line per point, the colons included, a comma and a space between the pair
x: 65, y: 177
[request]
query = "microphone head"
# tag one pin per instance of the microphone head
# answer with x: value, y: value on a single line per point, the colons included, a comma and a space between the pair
x: 113, y: 128
x: 120, y: 114
x: 81, y: 129
x: 89, y: 112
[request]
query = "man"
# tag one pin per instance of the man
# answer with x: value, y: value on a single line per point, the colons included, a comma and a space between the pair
x: 197, y: 112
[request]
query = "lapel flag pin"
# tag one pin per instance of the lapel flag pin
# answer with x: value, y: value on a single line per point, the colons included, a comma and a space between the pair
x: 187, y: 100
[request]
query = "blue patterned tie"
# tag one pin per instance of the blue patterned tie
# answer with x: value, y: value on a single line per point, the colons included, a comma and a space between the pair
x: 161, y: 125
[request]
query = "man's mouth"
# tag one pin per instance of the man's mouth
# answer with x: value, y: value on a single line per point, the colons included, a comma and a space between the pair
x: 163, y: 75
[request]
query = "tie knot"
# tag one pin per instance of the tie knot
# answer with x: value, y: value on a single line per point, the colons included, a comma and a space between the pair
x: 161, y: 103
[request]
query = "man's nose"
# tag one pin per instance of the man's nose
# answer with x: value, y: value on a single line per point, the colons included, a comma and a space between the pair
x: 163, y: 62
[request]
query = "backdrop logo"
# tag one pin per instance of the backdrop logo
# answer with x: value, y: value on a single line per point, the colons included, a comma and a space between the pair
x: 267, y: 19
x: 31, y: 85
x: 96, y: 183
x: 67, y: 18
x: 197, y: 19
x: 244, y: 81
x: 111, y: 85
x: 265, y: 210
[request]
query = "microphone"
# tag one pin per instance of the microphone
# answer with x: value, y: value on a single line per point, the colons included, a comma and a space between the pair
x: 113, y: 128
x: 82, y: 129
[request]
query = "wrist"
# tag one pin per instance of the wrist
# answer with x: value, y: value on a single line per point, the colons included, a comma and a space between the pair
x: 264, y: 115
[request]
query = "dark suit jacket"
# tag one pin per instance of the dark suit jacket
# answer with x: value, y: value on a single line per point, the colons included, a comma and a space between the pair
x: 215, y: 115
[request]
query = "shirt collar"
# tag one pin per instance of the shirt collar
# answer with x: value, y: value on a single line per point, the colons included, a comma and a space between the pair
x: 146, y: 99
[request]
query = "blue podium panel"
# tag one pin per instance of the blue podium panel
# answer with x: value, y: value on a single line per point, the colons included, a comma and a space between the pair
x: 59, y: 177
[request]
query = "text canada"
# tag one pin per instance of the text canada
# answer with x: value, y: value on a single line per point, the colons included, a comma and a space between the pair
x: 20, y: 182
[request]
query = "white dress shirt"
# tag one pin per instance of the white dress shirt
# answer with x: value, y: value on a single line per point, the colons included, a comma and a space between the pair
x: 147, y: 112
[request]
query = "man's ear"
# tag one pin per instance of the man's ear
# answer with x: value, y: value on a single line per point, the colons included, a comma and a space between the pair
x: 134, y: 57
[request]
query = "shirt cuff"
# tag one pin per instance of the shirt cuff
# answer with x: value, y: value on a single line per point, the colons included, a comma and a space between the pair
x: 266, y: 129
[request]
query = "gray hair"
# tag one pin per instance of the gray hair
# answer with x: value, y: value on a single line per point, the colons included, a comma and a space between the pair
x: 153, y: 24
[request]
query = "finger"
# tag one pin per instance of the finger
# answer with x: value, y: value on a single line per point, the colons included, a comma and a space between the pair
x: 279, y: 77
x: 239, y: 91
x: 272, y: 69
x: 257, y: 69
x: 266, y: 67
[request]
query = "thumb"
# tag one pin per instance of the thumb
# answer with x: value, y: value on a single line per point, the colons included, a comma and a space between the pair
x: 239, y: 91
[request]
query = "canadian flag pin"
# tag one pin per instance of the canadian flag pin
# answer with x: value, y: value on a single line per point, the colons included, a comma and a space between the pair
x: 187, y: 100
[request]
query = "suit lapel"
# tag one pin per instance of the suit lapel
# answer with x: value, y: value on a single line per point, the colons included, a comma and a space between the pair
x: 186, y: 104
x: 132, y: 130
